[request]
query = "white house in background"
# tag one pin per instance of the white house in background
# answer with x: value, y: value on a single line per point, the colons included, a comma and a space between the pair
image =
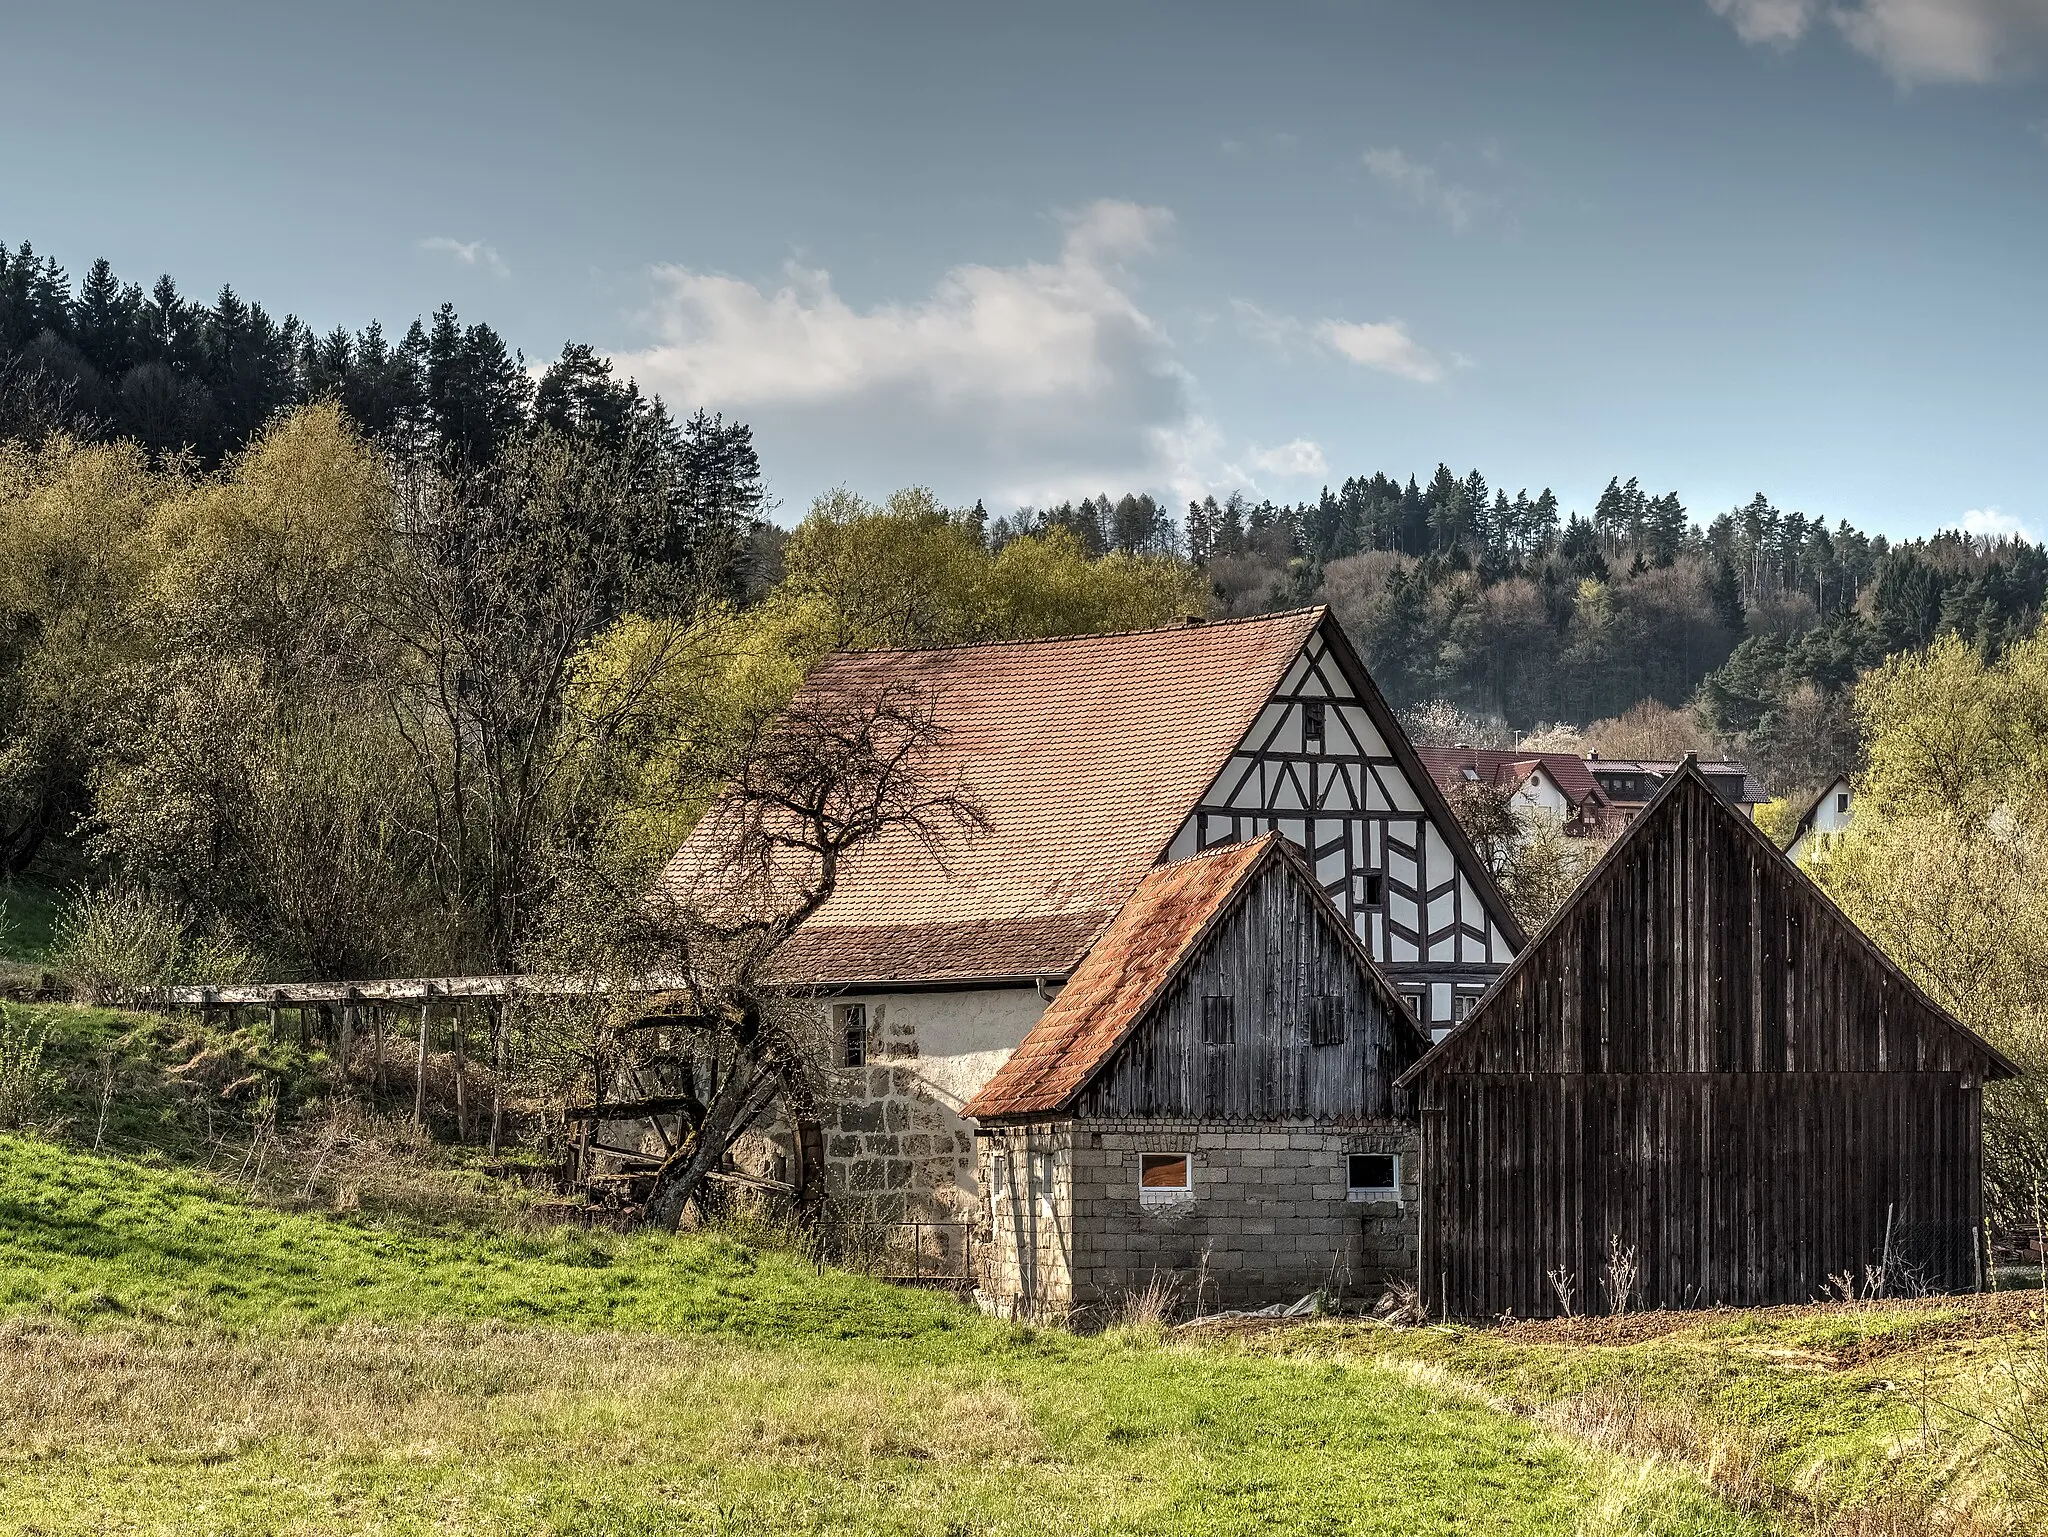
x: 1831, y: 811
x: 1098, y: 758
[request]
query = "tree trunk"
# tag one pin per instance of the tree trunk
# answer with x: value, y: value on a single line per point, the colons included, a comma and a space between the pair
x: 733, y: 1109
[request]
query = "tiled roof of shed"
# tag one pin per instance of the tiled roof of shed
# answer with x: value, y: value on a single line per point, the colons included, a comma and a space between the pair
x: 1158, y: 928
x: 1086, y: 754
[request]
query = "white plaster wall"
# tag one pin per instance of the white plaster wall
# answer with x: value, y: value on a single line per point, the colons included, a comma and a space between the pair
x: 961, y: 1038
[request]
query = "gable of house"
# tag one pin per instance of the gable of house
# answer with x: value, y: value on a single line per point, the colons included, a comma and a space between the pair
x: 1327, y: 764
x: 1229, y: 988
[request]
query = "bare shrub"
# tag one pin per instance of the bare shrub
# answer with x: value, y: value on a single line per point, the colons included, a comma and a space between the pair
x: 1564, y: 1283
x: 120, y: 944
x: 25, y: 1084
x: 1619, y: 1276
x: 1147, y: 1310
x: 1617, y: 1416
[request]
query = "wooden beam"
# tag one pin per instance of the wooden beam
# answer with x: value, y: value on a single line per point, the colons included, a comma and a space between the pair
x: 630, y: 1109
x: 406, y: 990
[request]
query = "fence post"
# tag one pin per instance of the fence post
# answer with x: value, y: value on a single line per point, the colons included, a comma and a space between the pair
x: 419, y: 1077
x: 497, y: 1073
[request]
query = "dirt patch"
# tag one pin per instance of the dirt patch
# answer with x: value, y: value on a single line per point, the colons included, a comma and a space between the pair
x: 1887, y: 1327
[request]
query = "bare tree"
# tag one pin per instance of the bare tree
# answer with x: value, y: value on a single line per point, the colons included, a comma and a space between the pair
x: 733, y: 1033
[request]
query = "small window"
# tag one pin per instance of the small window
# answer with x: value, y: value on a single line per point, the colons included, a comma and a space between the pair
x: 1373, y: 1175
x: 1218, y: 1019
x: 1375, y: 889
x: 1461, y: 1007
x: 1325, y: 1021
x: 853, y: 1030
x: 1165, y: 1175
x: 1312, y: 725
x: 1471, y: 774
x: 1842, y: 803
x: 1417, y: 1000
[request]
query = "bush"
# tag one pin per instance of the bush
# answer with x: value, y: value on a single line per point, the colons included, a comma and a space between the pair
x: 120, y: 944
x: 25, y: 1084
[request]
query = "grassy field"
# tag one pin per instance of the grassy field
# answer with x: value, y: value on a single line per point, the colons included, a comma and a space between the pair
x: 177, y: 1359
x: 202, y: 1330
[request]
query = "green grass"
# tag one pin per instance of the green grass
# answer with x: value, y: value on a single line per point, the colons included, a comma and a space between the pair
x: 182, y: 1360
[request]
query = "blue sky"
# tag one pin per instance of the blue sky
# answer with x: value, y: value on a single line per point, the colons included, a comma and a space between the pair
x: 1020, y: 252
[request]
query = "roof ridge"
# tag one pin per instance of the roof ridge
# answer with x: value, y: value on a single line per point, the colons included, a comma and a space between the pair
x: 1048, y: 640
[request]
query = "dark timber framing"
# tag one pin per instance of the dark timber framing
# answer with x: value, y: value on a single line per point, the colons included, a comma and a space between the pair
x: 1383, y: 843
x: 1700, y: 1059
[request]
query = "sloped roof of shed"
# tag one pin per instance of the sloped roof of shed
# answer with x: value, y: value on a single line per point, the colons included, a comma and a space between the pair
x: 1086, y: 753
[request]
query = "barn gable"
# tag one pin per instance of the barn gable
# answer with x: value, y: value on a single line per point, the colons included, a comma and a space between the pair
x: 1228, y: 988
x: 1696, y: 946
x: 1702, y: 1065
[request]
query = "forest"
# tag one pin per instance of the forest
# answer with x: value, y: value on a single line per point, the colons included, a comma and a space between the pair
x: 329, y: 650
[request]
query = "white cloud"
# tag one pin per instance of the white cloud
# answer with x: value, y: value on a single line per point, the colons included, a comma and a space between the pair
x: 1299, y: 458
x: 470, y: 253
x: 1384, y: 345
x: 1990, y: 523
x: 1952, y: 42
x: 1028, y: 381
x: 1780, y: 23
x: 1426, y: 186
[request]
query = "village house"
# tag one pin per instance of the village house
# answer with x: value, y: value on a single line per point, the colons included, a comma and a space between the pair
x: 1631, y: 783
x: 1098, y: 759
x: 1560, y: 786
x: 1700, y: 1084
x: 1208, y: 1107
x: 1826, y: 814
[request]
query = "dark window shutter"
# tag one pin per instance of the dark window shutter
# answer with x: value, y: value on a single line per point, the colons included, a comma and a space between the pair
x: 1218, y: 1019
x: 1325, y: 1021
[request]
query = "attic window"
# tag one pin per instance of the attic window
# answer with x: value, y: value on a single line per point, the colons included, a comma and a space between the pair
x: 1325, y: 1020
x: 853, y: 1033
x: 1373, y: 889
x: 1373, y: 1176
x: 1842, y: 802
x: 1471, y: 774
x: 1218, y: 1019
x: 1312, y: 725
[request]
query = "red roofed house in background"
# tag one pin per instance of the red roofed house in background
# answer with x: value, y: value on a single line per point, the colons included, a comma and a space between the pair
x: 1098, y: 759
x: 1557, y: 784
x: 1210, y: 1099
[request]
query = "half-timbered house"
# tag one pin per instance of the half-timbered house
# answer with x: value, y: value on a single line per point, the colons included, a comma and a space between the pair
x: 1208, y: 1105
x: 1699, y: 1084
x: 1097, y: 759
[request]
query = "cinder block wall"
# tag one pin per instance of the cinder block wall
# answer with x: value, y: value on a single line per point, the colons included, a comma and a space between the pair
x: 1269, y: 1218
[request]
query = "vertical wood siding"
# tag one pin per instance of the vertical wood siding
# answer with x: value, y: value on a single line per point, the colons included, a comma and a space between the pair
x: 1703, y: 1061
x: 1275, y: 952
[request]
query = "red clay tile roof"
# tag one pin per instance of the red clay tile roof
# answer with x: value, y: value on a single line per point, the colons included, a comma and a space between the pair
x: 1158, y: 929
x: 1086, y: 753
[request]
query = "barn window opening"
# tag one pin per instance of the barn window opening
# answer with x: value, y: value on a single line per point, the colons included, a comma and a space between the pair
x: 853, y: 1031
x: 1325, y: 1021
x: 1312, y: 725
x: 1372, y: 1176
x: 1165, y: 1176
x: 1218, y: 1019
x: 1375, y: 892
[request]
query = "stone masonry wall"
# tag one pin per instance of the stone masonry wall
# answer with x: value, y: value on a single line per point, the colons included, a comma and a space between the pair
x: 1269, y: 1217
x: 896, y: 1148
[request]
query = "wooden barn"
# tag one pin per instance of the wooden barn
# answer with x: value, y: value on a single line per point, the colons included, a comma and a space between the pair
x: 1699, y: 1066
x: 1209, y: 1104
